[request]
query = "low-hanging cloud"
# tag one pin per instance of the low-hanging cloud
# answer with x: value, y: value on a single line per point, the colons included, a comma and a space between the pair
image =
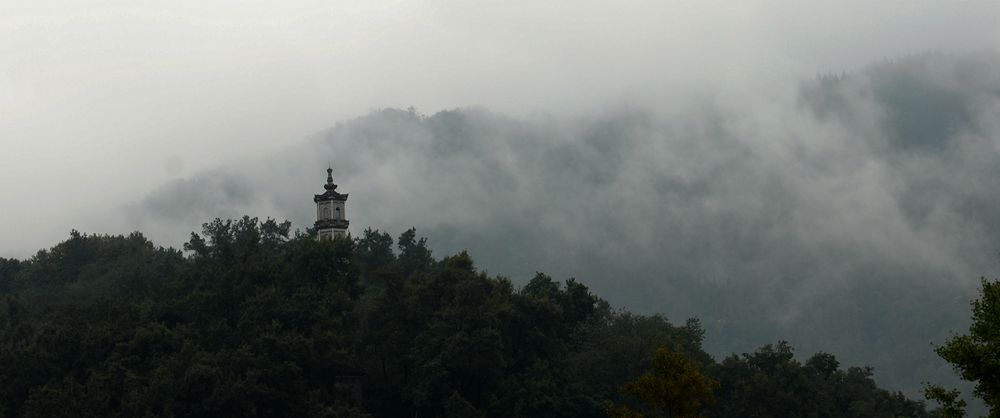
x: 851, y: 213
x: 666, y: 153
x: 105, y: 101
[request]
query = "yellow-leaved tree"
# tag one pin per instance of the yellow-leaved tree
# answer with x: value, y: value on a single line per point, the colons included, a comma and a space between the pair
x: 674, y: 388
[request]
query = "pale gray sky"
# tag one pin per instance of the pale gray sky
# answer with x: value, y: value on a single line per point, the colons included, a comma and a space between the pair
x: 102, y: 101
x: 677, y: 156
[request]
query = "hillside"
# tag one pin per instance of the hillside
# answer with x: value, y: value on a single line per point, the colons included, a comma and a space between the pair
x: 252, y: 320
x: 851, y: 213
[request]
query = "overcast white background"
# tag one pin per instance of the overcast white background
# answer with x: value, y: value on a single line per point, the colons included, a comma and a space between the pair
x: 102, y: 101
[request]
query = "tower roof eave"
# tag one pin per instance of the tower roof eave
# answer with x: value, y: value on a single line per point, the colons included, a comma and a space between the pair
x: 332, y: 223
x: 330, y: 195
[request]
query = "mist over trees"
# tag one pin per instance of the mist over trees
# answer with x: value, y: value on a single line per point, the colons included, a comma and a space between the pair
x: 252, y: 320
x: 848, y: 213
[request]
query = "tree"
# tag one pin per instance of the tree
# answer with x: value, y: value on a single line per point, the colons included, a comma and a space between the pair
x: 373, y: 249
x: 253, y: 322
x: 952, y: 406
x: 8, y: 268
x: 772, y: 383
x: 675, y: 388
x: 976, y: 355
x: 414, y: 256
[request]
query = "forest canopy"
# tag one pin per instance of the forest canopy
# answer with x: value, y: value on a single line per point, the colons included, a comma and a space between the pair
x: 251, y: 319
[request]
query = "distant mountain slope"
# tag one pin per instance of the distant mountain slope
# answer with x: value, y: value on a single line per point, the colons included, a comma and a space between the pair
x: 854, y: 214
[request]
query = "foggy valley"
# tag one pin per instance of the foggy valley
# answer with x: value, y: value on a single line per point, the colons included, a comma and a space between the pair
x: 840, y: 197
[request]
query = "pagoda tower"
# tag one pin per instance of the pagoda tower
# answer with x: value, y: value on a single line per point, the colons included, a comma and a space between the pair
x: 331, y: 215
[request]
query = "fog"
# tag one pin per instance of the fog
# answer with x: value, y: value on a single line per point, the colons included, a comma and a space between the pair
x: 780, y: 170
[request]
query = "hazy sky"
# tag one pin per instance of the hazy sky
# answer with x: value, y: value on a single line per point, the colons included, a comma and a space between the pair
x: 103, y: 101
x: 676, y: 156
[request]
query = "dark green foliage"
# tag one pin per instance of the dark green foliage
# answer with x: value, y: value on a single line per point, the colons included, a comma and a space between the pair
x: 975, y: 355
x: 374, y: 250
x: 253, y: 322
x: 952, y: 404
x: 414, y: 256
x: 772, y: 383
x: 8, y: 268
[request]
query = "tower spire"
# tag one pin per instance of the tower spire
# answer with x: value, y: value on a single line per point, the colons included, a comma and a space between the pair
x: 331, y: 215
x: 330, y: 185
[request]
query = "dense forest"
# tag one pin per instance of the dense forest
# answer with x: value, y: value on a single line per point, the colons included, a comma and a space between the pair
x: 254, y: 320
x: 833, y: 218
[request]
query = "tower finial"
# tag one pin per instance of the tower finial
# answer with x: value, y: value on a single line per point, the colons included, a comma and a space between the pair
x: 330, y: 185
